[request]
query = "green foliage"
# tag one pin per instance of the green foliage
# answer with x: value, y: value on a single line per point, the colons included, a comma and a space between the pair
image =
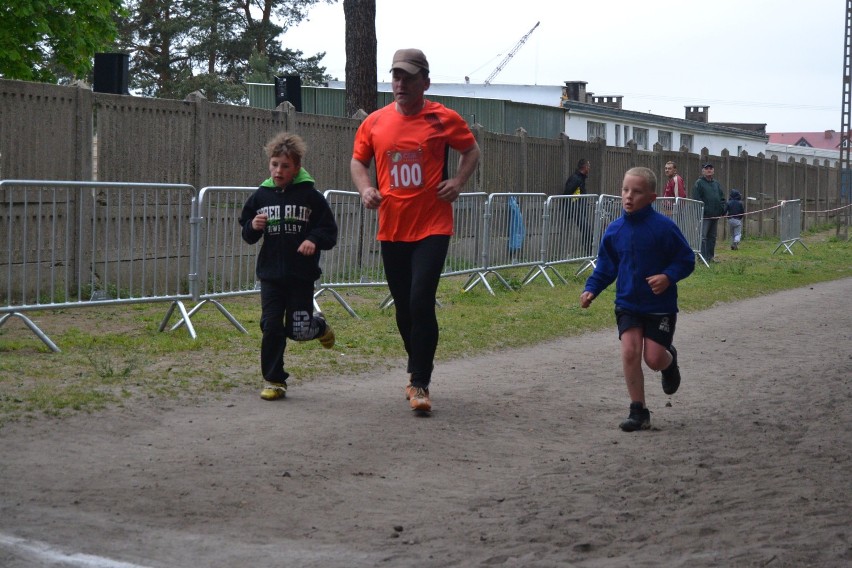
x: 49, y: 40
x: 177, y: 47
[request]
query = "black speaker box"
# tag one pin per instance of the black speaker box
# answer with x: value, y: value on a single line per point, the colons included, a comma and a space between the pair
x: 289, y: 88
x: 111, y: 73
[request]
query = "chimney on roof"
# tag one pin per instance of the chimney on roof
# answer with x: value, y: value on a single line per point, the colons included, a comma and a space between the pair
x: 697, y: 113
x: 608, y: 101
x: 574, y: 91
x: 829, y: 134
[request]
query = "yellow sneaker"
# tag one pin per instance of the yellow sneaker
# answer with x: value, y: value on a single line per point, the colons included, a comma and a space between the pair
x: 274, y: 391
x: 327, y: 338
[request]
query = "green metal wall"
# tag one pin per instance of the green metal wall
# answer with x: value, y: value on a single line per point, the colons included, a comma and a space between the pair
x: 502, y: 117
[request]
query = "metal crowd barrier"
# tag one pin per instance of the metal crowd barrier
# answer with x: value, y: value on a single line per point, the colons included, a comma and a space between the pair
x: 72, y: 243
x: 222, y: 262
x: 465, y: 253
x: 608, y: 210
x: 356, y: 260
x: 790, y: 225
x: 688, y: 215
x: 569, y: 234
x: 512, y: 236
x: 95, y: 243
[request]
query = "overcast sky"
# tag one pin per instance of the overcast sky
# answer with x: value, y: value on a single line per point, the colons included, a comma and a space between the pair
x: 773, y: 61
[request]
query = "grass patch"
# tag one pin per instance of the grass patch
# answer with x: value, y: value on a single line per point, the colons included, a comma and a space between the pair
x: 113, y: 354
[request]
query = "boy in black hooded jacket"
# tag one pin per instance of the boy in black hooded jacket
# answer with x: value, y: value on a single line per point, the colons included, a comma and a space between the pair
x: 295, y: 222
x: 735, y: 218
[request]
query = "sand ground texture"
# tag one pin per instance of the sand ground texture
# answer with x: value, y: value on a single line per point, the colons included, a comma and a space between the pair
x: 521, y: 463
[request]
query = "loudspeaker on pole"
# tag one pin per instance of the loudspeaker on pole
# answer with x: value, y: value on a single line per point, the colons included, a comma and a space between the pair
x: 289, y: 88
x: 111, y: 73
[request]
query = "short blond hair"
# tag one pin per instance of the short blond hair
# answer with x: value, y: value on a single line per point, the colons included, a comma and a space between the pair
x: 286, y: 144
x: 646, y: 174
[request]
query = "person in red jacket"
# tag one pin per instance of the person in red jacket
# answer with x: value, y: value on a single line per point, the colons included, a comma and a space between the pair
x: 410, y: 139
x: 674, y: 187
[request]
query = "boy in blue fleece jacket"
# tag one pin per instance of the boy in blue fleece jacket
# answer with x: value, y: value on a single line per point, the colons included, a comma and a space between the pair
x: 295, y: 222
x: 648, y: 255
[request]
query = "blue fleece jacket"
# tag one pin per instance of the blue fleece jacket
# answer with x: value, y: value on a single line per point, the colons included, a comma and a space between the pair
x: 638, y: 245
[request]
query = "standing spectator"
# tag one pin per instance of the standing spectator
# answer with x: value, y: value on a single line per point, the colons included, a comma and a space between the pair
x: 409, y: 139
x: 736, y: 210
x: 579, y: 212
x: 674, y: 187
x: 576, y: 184
x: 646, y: 255
x: 709, y: 191
x: 295, y: 222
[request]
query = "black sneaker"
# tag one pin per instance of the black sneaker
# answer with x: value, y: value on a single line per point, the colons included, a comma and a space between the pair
x: 639, y: 418
x: 671, y: 376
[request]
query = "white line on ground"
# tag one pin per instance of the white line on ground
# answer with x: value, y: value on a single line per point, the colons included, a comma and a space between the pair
x: 44, y: 552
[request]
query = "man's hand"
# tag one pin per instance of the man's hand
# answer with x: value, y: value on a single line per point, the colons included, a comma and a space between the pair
x: 371, y: 198
x: 586, y: 299
x: 449, y: 190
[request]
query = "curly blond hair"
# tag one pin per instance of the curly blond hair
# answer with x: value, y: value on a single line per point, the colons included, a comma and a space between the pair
x: 286, y: 144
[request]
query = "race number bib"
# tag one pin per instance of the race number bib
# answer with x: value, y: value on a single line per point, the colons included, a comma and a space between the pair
x: 405, y: 169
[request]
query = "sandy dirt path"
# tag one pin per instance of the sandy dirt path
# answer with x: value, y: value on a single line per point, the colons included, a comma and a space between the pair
x: 520, y: 464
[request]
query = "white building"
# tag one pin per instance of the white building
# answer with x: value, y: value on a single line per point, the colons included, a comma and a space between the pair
x: 588, y: 117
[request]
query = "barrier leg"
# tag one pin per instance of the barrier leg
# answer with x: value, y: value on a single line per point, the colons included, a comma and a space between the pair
x: 591, y: 263
x: 190, y: 313
x: 788, y: 245
x: 178, y: 304
x: 229, y: 317
x: 481, y: 277
x: 34, y: 328
x: 337, y: 297
x: 534, y: 272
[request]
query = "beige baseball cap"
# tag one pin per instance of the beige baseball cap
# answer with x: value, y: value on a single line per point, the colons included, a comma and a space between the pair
x: 410, y: 60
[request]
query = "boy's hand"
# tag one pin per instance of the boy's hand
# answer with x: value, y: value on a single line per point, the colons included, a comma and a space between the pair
x: 307, y: 248
x: 586, y: 299
x: 259, y: 221
x: 658, y: 283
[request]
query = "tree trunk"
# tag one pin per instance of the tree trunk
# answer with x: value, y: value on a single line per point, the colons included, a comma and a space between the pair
x: 360, y: 55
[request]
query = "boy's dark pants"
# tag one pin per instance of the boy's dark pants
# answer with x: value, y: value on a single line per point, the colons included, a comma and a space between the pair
x: 287, y: 308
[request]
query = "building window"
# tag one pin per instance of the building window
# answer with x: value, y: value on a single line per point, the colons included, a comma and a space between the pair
x: 640, y: 136
x: 626, y: 134
x: 686, y: 140
x: 617, y: 135
x: 596, y: 130
x: 665, y: 139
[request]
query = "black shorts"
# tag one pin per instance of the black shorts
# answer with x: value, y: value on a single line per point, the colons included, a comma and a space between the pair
x: 657, y: 327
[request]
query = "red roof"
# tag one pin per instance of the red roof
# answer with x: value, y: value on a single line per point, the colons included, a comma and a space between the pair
x: 826, y: 140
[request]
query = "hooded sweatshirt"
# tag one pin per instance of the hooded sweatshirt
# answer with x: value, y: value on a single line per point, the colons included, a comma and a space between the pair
x: 296, y: 213
x: 638, y: 245
x: 735, y: 205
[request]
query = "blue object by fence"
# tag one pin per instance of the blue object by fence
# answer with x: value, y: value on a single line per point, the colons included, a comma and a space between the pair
x: 517, y: 230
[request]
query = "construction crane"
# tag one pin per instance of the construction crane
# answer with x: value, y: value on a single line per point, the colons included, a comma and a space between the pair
x: 511, y: 54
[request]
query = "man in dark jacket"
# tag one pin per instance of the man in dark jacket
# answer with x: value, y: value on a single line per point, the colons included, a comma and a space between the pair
x: 709, y: 191
x: 576, y: 184
x: 579, y: 212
